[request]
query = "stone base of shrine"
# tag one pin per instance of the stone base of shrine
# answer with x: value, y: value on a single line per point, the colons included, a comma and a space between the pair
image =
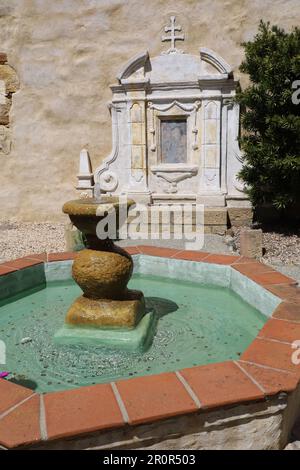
x: 214, y: 220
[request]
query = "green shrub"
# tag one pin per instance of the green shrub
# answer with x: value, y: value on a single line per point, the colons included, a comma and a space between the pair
x: 270, y: 120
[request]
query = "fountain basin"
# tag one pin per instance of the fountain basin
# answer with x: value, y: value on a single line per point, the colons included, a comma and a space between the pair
x: 86, y: 213
x: 255, y: 379
x: 196, y: 319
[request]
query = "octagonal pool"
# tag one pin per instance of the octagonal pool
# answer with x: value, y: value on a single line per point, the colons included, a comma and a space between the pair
x: 199, y: 319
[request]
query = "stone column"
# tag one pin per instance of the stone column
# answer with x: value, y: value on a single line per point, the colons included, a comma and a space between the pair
x: 138, y: 187
x: 210, y: 183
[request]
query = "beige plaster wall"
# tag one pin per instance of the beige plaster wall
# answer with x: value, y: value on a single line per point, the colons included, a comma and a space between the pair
x: 67, y: 52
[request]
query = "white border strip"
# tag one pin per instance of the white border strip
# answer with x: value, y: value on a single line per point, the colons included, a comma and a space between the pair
x: 120, y: 402
x: 189, y: 390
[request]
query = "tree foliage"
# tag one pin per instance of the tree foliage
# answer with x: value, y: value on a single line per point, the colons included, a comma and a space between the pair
x: 270, y: 120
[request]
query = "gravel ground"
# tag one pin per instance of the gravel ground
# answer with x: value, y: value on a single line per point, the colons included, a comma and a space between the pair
x: 17, y: 240
x: 281, y: 250
x: 284, y: 248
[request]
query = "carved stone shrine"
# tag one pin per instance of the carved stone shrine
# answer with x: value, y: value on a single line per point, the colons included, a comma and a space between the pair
x: 175, y: 129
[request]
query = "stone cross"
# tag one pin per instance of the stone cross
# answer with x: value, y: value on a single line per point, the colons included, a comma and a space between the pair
x: 173, y: 36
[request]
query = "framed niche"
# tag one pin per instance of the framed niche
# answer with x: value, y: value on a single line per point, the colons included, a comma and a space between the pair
x: 173, y: 141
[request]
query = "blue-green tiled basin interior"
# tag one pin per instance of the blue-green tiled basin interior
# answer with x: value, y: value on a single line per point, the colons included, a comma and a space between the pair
x: 203, y: 312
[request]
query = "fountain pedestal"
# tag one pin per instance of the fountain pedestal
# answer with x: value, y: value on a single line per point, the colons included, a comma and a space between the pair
x: 105, y: 312
x: 103, y: 277
x: 102, y: 270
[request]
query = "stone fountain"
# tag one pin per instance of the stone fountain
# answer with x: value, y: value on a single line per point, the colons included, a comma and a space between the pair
x: 108, y: 312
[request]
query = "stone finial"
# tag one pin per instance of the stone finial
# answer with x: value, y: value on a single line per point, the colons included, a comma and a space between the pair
x: 173, y: 36
x: 85, y: 176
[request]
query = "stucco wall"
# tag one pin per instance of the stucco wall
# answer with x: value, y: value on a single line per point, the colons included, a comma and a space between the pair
x: 67, y: 52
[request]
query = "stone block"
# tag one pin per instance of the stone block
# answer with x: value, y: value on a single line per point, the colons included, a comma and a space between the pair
x: 3, y: 58
x: 207, y: 229
x: 240, y: 216
x: 8, y: 74
x: 215, y: 216
x: 212, y: 200
x: 106, y: 312
x: 4, y: 112
x: 5, y: 141
x: 218, y: 229
x: 158, y: 228
x: 2, y: 92
x: 215, y: 229
x: 215, y: 221
x: 251, y: 244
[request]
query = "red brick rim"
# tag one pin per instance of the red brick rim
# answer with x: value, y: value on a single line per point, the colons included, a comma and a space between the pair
x: 265, y: 369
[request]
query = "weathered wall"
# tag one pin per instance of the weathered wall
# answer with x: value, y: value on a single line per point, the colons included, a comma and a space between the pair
x: 67, y: 52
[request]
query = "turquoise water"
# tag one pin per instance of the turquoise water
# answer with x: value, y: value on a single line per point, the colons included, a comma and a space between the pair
x: 197, y: 324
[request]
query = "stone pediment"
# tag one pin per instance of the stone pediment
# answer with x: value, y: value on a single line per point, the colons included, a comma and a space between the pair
x: 175, y: 67
x: 136, y: 69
